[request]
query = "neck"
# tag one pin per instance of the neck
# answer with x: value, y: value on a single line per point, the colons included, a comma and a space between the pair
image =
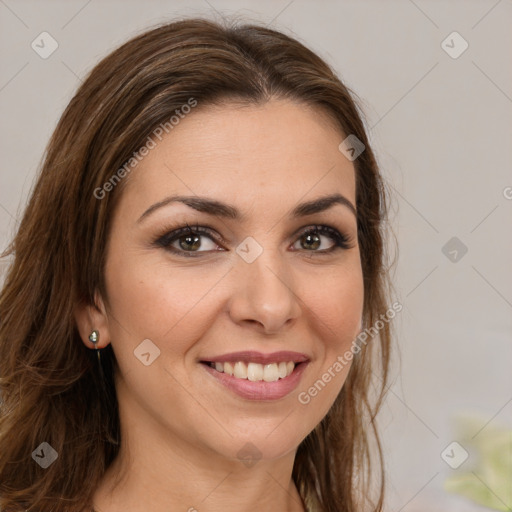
x: 166, y: 480
x: 160, y: 470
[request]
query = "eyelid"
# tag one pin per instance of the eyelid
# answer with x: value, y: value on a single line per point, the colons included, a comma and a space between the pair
x: 204, y: 230
x: 340, y: 237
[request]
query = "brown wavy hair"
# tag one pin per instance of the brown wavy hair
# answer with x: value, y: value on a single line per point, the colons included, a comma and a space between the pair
x: 49, y: 381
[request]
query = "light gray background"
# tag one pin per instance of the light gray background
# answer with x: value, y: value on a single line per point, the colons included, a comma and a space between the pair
x: 442, y: 131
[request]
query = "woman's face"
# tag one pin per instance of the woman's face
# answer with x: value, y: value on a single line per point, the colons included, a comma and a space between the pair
x: 250, y: 278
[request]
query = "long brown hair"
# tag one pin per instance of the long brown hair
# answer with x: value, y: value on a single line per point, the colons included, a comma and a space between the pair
x: 49, y: 381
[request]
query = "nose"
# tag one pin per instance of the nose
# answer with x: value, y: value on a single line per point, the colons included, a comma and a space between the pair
x: 264, y: 293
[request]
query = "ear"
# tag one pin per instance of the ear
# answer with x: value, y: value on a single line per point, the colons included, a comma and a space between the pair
x: 89, y: 318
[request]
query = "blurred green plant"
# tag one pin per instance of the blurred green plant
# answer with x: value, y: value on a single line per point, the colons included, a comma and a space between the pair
x: 486, y: 477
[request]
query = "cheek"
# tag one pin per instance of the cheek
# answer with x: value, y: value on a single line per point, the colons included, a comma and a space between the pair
x: 156, y: 301
x: 336, y: 307
x: 335, y: 300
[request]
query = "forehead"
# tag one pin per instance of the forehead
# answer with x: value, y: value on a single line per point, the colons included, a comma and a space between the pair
x: 278, y: 151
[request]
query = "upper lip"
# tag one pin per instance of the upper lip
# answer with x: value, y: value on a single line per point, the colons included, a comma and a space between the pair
x: 258, y: 357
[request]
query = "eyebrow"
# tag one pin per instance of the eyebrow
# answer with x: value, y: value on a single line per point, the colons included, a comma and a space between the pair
x: 224, y: 210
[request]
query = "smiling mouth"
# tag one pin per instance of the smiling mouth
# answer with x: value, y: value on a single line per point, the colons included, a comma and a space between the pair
x: 254, y: 372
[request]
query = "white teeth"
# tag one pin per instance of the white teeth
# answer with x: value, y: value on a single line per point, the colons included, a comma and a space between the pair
x: 228, y: 368
x: 240, y: 370
x: 256, y: 372
x: 271, y: 372
x: 283, y: 370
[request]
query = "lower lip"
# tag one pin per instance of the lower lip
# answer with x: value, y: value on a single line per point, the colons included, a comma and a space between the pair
x: 259, y: 390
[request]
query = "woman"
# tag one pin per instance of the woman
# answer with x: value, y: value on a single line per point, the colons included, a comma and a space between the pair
x: 190, y: 320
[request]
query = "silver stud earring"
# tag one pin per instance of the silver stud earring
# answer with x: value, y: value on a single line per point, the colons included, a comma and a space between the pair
x: 94, y: 337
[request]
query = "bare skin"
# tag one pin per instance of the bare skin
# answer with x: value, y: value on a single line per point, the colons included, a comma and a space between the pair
x: 182, y: 430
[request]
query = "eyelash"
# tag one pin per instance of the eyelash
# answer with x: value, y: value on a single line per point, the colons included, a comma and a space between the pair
x: 341, y: 241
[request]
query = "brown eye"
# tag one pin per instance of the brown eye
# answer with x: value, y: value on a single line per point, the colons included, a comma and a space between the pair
x: 311, y: 239
x: 188, y: 240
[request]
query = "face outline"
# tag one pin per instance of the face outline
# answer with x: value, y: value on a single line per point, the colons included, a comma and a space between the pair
x: 264, y: 160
